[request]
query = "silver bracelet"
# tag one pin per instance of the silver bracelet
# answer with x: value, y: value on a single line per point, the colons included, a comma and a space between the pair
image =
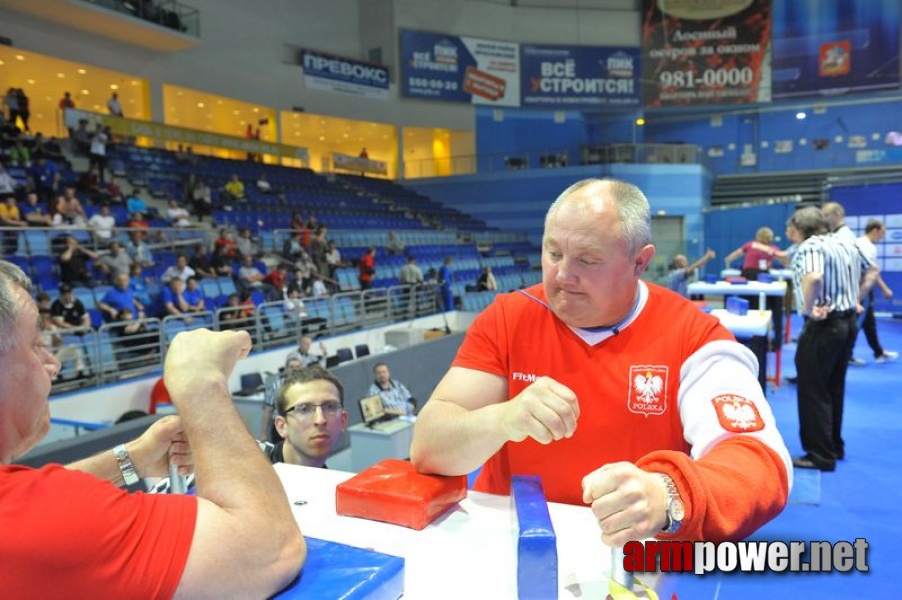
x: 126, y: 466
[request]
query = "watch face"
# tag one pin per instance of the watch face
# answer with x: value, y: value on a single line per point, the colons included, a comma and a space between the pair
x: 677, y: 510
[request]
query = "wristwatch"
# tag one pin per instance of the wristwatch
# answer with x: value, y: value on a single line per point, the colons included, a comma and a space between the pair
x: 126, y: 467
x: 675, y: 511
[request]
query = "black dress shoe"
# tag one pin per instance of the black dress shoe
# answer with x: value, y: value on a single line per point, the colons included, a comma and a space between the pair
x: 806, y: 462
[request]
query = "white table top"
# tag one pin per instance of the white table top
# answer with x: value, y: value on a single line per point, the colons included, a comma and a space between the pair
x: 780, y: 274
x: 469, y: 552
x: 776, y: 288
x: 754, y: 322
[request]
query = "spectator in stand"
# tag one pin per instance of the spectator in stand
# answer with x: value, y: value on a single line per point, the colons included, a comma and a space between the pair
x: 69, y: 207
x: 486, y: 281
x: 47, y: 148
x: 177, y: 215
x: 138, y: 221
x: 8, y: 185
x: 134, y: 203
x: 758, y: 254
x: 681, y: 271
x: 234, y: 189
x: 35, y: 212
x: 221, y: 264
x: 263, y: 185
x: 116, y: 262
x: 304, y: 269
x: 246, y: 244
x: 318, y: 288
x: 66, y: 102
x: 44, y: 178
x: 445, y: 279
x: 11, y: 100
x: 174, y: 302
x: 24, y: 109
x: 81, y: 138
x: 99, y: 142
x: 318, y: 250
x: 180, y: 270
x: 231, y: 316
x: 64, y: 353
x: 251, y: 278
x: 202, y: 197
x: 292, y: 248
x: 298, y: 222
x: 43, y: 300
x: 73, y: 262
x: 278, y: 278
x: 194, y: 296
x: 395, y: 245
x: 138, y: 249
x: 132, y: 339
x: 200, y: 263
x: 411, y: 274
x: 366, y: 269
x: 119, y: 297
x: 102, y: 224
x: 89, y: 184
x: 68, y: 312
x: 333, y: 258
x: 113, y: 106
x: 20, y: 154
x: 10, y: 217
x: 226, y: 242
x: 137, y: 282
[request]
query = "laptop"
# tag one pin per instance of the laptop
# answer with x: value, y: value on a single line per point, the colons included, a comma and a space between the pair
x: 373, y: 412
x: 251, y: 383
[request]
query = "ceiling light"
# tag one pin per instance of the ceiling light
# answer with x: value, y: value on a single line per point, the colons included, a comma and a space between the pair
x: 114, y: 86
x: 85, y: 92
x: 19, y: 57
x: 30, y: 82
x: 236, y: 112
x: 322, y: 139
x: 256, y: 110
x: 81, y: 71
x: 801, y: 115
x: 61, y: 75
x: 200, y: 105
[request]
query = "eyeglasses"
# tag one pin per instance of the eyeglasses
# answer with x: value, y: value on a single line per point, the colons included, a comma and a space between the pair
x: 307, y: 410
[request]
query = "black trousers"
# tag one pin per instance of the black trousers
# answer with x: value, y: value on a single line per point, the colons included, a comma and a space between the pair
x: 869, y: 325
x: 821, y: 363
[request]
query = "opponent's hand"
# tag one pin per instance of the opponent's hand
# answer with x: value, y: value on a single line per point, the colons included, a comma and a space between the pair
x: 545, y: 411
x: 197, y: 358
x: 162, y: 443
x: 629, y: 503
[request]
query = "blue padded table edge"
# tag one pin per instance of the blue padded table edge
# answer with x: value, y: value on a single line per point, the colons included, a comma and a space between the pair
x: 537, y: 566
x: 341, y: 572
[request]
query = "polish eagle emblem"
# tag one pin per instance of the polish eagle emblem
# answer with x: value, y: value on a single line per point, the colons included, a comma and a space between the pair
x: 648, y: 389
x: 737, y: 414
x: 648, y: 386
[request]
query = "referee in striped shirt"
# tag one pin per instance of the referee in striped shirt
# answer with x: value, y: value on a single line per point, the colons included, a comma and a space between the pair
x: 830, y: 275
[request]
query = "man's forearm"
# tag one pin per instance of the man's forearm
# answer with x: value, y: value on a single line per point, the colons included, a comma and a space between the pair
x: 451, y: 440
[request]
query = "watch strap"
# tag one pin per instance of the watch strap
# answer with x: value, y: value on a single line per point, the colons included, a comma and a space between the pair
x: 126, y: 466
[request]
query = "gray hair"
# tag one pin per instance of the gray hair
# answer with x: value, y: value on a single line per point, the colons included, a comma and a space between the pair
x: 631, y: 205
x: 11, y: 276
x: 809, y: 221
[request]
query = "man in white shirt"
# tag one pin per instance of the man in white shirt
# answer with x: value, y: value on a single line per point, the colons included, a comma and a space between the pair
x: 180, y: 269
x: 102, y: 223
x: 113, y: 105
x: 874, y: 232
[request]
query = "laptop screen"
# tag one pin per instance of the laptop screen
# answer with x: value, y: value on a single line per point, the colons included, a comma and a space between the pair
x: 371, y: 409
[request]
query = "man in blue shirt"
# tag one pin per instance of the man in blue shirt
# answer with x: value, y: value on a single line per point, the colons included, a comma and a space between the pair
x: 119, y: 297
x: 681, y: 271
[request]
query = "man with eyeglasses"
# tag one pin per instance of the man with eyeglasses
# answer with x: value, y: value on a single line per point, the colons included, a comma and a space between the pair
x: 310, y: 418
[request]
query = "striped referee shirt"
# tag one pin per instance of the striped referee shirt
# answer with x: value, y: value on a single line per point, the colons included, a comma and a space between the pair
x: 842, y: 265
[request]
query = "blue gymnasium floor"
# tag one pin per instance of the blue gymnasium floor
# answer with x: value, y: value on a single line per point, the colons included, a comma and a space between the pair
x: 863, y: 498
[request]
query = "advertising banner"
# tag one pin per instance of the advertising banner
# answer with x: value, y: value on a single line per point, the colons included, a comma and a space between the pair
x: 705, y: 52
x: 565, y: 77
x: 329, y: 73
x: 459, y: 69
x: 829, y: 48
